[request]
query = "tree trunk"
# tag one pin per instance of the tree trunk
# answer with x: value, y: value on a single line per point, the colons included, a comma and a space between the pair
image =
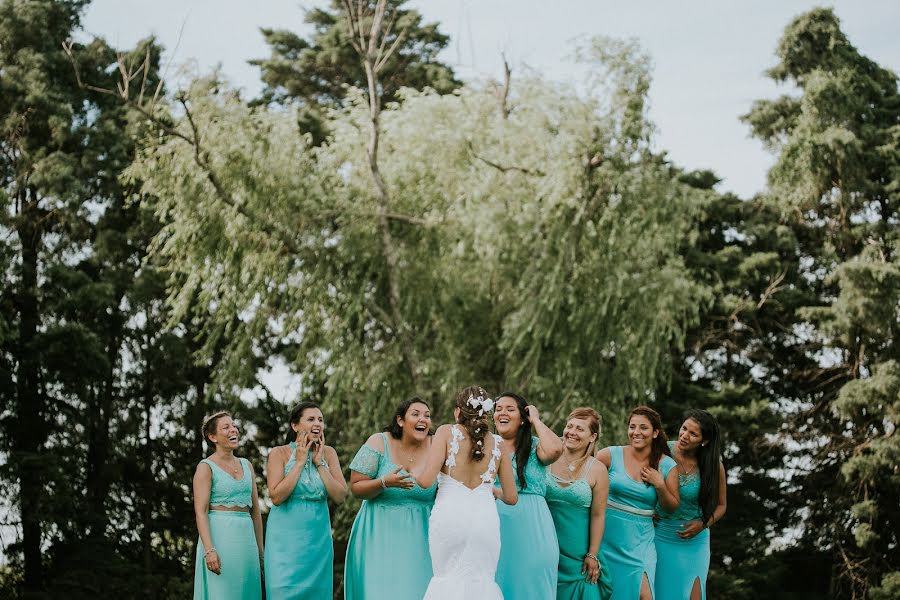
x: 29, y: 432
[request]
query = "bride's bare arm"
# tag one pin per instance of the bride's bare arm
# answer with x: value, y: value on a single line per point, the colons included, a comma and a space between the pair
x: 428, y: 472
x: 509, y: 494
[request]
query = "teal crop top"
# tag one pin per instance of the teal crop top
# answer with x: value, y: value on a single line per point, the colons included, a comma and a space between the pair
x: 228, y: 491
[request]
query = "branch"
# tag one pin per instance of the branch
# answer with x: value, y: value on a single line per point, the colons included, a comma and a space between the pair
x: 504, y: 168
x: 771, y: 289
x: 503, y: 92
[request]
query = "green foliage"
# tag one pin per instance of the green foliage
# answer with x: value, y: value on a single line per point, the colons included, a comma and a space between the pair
x: 316, y: 73
x: 835, y: 184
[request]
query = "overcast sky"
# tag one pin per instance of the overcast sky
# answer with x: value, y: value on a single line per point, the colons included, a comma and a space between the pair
x: 708, y: 55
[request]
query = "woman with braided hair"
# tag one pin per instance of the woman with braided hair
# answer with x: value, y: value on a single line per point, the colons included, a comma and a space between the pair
x: 464, y: 531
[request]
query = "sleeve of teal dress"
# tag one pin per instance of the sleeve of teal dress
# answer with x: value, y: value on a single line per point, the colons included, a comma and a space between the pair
x: 366, y: 461
x: 665, y: 465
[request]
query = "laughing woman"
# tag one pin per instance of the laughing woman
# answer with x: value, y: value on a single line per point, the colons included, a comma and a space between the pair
x: 682, y: 537
x: 301, y: 476
x: 640, y: 476
x: 529, y: 553
x: 577, y: 488
x: 390, y: 533
x: 225, y: 504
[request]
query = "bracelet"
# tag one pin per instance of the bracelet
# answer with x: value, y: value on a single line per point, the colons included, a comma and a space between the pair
x: 322, y: 464
x: 589, y: 555
x: 208, y: 551
x: 383, y: 485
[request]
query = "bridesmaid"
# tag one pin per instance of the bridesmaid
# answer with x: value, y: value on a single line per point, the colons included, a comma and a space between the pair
x: 577, y: 487
x: 390, y: 533
x: 300, y: 476
x: 682, y: 536
x: 226, y: 507
x: 640, y: 475
x: 529, y: 552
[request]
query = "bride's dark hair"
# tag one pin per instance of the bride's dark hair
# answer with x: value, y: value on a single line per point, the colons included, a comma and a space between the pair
x: 475, y: 424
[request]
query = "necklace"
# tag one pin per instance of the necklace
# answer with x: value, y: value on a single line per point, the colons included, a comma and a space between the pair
x: 234, y: 467
x: 683, y: 470
x: 570, y: 466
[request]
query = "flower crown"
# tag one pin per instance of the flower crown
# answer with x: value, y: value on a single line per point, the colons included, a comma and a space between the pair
x: 481, y: 403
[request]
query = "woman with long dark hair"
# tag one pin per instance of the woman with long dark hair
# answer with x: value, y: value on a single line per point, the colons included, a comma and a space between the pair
x: 226, y: 507
x: 390, y: 532
x: 302, y: 475
x: 529, y: 552
x: 682, y: 536
x: 641, y: 475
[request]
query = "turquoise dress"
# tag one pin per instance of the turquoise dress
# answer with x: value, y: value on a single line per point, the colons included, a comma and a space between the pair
x: 529, y: 552
x: 680, y: 562
x: 570, y: 507
x: 299, y: 552
x: 628, y: 541
x: 233, y: 538
x: 389, y: 536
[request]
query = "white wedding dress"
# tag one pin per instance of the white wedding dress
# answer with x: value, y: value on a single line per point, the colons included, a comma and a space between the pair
x: 464, y: 533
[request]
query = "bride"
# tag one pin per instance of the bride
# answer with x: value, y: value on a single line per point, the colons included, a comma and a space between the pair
x: 464, y: 530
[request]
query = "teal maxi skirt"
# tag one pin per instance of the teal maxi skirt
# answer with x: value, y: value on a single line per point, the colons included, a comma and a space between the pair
x: 573, y: 528
x: 628, y: 552
x: 299, y: 551
x: 235, y: 542
x: 387, y: 554
x: 680, y: 562
x: 529, y: 552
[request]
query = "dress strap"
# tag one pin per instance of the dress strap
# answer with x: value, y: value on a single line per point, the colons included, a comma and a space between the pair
x: 587, y: 467
x: 387, y: 449
x: 488, y: 476
x: 456, y: 435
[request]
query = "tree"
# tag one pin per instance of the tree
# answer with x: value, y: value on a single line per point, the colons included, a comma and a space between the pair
x: 836, y: 184
x: 315, y: 74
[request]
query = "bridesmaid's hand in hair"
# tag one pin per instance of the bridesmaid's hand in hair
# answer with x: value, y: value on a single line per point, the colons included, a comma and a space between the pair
x: 534, y: 417
x: 690, y: 529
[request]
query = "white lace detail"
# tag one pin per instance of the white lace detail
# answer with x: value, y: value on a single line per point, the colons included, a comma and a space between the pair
x: 488, y: 476
x: 454, y: 446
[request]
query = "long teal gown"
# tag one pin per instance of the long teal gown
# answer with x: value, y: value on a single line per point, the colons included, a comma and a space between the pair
x: 680, y: 562
x: 529, y: 552
x: 389, y: 536
x: 628, y: 541
x: 233, y: 538
x: 570, y: 507
x: 299, y: 552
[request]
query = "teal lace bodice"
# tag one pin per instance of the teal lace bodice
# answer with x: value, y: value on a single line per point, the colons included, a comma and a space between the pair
x: 576, y: 493
x: 310, y: 486
x: 228, y: 491
x: 689, y: 490
x: 535, y: 472
x: 374, y: 464
x: 625, y: 490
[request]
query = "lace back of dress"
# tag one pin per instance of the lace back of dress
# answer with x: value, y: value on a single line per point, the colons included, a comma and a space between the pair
x: 488, y: 476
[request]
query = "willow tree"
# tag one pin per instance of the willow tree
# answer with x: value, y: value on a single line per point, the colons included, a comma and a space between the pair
x: 536, y: 243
